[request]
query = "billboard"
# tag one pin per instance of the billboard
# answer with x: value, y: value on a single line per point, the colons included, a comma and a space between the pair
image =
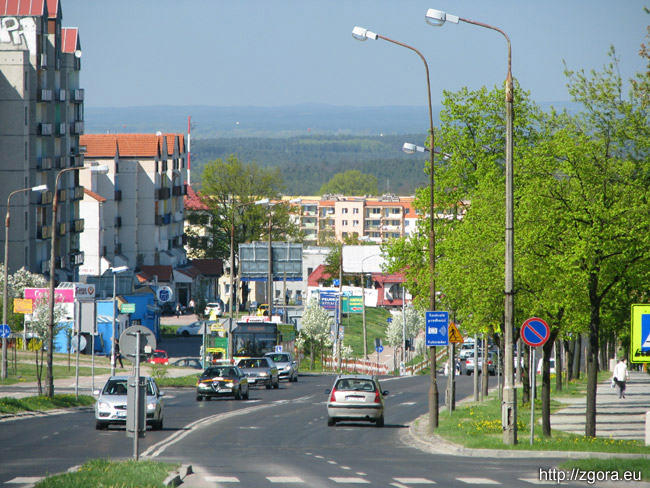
x: 286, y: 261
x: 362, y: 259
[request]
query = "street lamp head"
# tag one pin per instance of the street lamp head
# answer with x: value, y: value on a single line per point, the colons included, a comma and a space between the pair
x: 119, y: 269
x: 295, y: 200
x: 40, y: 188
x: 437, y: 18
x: 99, y: 170
x: 410, y: 148
x: 361, y: 34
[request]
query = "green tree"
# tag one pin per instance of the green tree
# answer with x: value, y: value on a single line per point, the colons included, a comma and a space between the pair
x: 316, y: 326
x: 350, y: 183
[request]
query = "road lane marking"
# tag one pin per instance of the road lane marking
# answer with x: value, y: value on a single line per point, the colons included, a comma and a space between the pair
x: 478, y: 481
x: 415, y: 481
x: 537, y: 481
x: 284, y: 479
x: 349, y: 480
x: 221, y: 479
x: 24, y: 480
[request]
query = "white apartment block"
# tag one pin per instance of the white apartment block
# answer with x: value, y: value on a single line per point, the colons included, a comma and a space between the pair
x: 141, y: 199
x: 41, y: 118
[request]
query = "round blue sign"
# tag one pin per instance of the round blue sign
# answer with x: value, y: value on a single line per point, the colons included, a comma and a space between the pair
x: 535, y: 332
x: 5, y: 331
x: 379, y: 348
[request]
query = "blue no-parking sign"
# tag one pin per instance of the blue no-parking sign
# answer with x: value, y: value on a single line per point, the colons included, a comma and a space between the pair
x: 437, y: 328
x: 535, y: 332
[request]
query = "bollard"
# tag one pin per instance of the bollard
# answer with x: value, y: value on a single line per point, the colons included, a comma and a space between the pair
x: 647, y: 428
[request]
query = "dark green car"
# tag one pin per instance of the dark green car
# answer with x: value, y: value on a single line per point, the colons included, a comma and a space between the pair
x: 219, y: 381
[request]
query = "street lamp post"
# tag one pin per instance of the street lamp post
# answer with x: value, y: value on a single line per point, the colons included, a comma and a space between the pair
x: 49, y: 382
x: 5, y: 301
x: 362, y: 34
x: 437, y: 18
x: 115, y: 271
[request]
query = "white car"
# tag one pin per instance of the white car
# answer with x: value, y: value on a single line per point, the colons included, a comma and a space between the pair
x: 110, y: 407
x: 195, y: 328
x: 213, y: 309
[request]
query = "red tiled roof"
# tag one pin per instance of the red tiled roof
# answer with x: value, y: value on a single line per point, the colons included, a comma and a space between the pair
x: 94, y: 195
x: 69, y: 40
x: 193, y: 200
x: 209, y: 267
x: 163, y: 272
x: 22, y: 7
x: 129, y: 145
x: 52, y: 8
x: 317, y: 276
x: 391, y: 278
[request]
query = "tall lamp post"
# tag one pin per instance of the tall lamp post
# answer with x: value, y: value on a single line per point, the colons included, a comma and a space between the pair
x: 437, y: 18
x: 49, y: 382
x: 5, y: 301
x: 117, y: 270
x: 362, y: 34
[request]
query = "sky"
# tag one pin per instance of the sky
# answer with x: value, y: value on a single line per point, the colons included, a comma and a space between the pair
x: 265, y: 53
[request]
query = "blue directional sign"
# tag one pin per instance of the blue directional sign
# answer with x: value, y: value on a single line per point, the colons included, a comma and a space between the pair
x: 535, y: 332
x: 379, y: 348
x: 5, y: 331
x: 437, y: 328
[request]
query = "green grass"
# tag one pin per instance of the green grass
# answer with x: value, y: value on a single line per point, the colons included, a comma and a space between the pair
x: 636, y: 466
x: 26, y: 372
x: 375, y: 327
x: 478, y: 425
x: 113, y: 474
x: 40, y: 403
x: 180, y: 381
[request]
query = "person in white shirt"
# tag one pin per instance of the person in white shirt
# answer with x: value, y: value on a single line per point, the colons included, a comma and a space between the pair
x: 621, y: 375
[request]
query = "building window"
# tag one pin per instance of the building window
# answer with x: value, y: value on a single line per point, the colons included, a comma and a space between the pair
x: 345, y: 234
x: 343, y: 222
x: 355, y: 210
x: 344, y: 210
x: 355, y: 223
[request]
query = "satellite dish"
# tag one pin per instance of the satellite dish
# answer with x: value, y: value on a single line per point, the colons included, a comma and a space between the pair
x: 77, y: 53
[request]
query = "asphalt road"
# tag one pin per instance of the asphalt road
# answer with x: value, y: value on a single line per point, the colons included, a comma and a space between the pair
x: 276, y: 438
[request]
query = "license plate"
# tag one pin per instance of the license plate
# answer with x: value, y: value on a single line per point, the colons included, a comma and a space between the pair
x: 121, y: 415
x: 354, y: 398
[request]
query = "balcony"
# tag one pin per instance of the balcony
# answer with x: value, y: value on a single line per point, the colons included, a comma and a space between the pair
x: 78, y: 95
x: 45, y: 129
x: 77, y: 225
x: 163, y: 193
x: 63, y: 195
x: 75, y: 161
x: 63, y: 228
x: 44, y: 164
x: 45, y: 198
x: 46, y: 95
x: 118, y: 221
x: 118, y: 195
x: 77, y: 128
x: 63, y: 128
x: 177, y: 190
x: 77, y: 193
x: 76, y: 258
x: 63, y: 95
x: 43, y: 232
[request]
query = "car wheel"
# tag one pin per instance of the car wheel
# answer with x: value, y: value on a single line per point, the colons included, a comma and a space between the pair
x: 277, y: 384
x: 199, y: 398
x: 269, y: 385
x: 331, y: 422
x: 295, y: 378
x: 245, y: 395
x: 185, y: 333
x: 100, y: 425
x: 468, y: 372
x: 379, y: 422
x: 157, y: 425
x: 238, y: 394
x: 208, y: 398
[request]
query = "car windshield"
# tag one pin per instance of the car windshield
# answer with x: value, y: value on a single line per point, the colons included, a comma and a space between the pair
x: 160, y: 354
x: 353, y: 384
x: 253, y: 363
x: 118, y: 387
x: 223, y: 372
x: 279, y: 358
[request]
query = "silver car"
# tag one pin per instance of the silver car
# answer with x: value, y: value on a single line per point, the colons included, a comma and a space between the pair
x: 356, y: 397
x: 287, y: 367
x: 260, y: 371
x: 110, y: 407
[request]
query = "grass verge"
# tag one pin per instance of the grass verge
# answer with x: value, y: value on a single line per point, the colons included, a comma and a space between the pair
x: 117, y: 474
x: 40, y: 403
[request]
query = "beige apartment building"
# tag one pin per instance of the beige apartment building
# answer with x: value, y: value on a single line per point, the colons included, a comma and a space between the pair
x: 41, y: 118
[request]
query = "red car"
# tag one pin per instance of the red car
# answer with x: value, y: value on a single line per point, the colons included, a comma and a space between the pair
x: 159, y: 357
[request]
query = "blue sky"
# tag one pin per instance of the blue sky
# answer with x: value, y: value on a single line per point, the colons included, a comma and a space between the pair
x: 289, y: 52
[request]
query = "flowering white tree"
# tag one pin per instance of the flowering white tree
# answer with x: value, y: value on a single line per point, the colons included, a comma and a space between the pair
x: 316, y: 326
x: 414, y: 323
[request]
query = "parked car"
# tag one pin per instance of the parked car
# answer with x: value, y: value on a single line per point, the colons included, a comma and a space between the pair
x: 110, y: 407
x: 218, y: 381
x: 466, y: 350
x: 491, y: 364
x: 195, y: 328
x: 159, y: 357
x: 552, y: 366
x: 187, y: 363
x: 287, y: 367
x: 214, y: 310
x: 260, y: 371
x: 356, y: 397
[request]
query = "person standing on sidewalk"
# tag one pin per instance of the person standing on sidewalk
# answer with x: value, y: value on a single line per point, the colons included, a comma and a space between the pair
x: 621, y: 375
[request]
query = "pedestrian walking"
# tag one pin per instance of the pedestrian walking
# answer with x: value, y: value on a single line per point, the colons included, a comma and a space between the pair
x: 178, y: 310
x: 118, y: 356
x: 621, y: 376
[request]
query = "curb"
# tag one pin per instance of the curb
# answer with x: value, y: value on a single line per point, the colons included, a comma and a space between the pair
x: 176, y: 478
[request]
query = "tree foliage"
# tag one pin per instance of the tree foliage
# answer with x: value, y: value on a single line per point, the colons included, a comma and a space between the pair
x: 316, y: 326
x: 351, y: 183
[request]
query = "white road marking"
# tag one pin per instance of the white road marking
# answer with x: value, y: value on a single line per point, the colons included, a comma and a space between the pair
x: 25, y: 480
x: 360, y: 473
x: 221, y: 479
x: 536, y: 481
x: 415, y: 481
x: 405, y: 403
x: 317, y: 456
x: 349, y: 480
x: 478, y: 481
x: 329, y: 462
x: 346, y: 467
x: 284, y: 479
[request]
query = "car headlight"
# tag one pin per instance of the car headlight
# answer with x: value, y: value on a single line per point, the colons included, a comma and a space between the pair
x: 264, y: 373
x: 151, y: 406
x: 103, y: 406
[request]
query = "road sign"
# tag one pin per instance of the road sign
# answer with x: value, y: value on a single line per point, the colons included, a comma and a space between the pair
x: 437, y: 325
x: 127, y: 308
x: 640, y: 334
x: 128, y: 342
x: 278, y: 348
x: 379, y: 348
x: 455, y: 337
x: 164, y: 294
x: 5, y: 331
x: 535, y: 332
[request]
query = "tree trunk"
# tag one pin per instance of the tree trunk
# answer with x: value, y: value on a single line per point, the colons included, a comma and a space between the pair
x: 577, y: 357
x: 484, y: 368
x: 547, y: 350
x: 592, y: 357
x: 558, y: 365
x: 569, y: 346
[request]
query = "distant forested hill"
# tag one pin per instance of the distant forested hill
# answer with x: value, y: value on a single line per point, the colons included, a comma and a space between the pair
x: 307, y: 162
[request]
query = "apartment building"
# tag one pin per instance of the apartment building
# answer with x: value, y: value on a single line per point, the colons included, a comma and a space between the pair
x: 41, y: 118
x: 142, y: 215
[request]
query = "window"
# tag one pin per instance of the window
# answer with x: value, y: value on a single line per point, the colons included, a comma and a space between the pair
x: 344, y: 210
x: 355, y: 223
x: 355, y: 210
x: 343, y: 222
